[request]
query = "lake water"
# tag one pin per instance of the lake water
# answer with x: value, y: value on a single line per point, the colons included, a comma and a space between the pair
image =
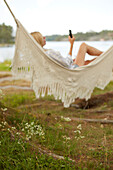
x: 7, y: 53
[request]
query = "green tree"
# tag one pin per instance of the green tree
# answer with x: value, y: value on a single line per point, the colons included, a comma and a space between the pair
x: 6, y: 34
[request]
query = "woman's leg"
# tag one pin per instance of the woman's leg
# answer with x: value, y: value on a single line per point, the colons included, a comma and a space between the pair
x: 86, y: 62
x: 84, y: 48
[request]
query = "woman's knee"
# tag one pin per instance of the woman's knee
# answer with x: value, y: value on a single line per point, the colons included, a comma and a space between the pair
x: 83, y: 45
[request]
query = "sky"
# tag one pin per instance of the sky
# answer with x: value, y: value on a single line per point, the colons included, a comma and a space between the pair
x: 58, y: 16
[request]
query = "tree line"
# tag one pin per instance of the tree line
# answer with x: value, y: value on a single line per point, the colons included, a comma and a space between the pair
x: 6, y: 36
x: 88, y: 36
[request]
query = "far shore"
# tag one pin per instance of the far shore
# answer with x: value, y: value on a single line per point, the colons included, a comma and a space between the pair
x: 6, y: 45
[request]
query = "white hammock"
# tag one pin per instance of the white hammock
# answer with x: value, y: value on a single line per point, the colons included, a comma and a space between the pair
x: 46, y: 75
x: 31, y: 62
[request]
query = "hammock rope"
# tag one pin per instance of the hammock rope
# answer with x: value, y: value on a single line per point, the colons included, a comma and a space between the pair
x: 11, y: 12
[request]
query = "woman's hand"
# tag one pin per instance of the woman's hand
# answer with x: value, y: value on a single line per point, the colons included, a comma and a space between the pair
x: 71, y: 40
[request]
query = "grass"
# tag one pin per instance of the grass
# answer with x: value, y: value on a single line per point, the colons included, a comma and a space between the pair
x: 34, y: 133
x: 14, y: 100
x: 17, y: 154
x: 5, y: 66
x: 49, y: 126
x: 108, y: 88
x: 18, y: 151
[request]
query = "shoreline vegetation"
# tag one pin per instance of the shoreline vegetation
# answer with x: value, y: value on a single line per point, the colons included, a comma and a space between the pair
x: 7, y: 36
x: 6, y: 45
x: 105, y: 35
x: 89, y: 36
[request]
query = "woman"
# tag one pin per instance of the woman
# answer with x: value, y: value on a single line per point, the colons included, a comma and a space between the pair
x: 68, y: 62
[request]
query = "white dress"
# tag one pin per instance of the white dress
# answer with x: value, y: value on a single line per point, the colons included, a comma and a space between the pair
x: 66, y: 62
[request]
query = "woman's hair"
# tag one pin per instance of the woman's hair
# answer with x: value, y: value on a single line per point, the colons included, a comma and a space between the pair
x: 38, y: 37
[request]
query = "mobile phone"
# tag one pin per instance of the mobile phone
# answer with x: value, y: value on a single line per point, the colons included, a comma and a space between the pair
x: 70, y: 33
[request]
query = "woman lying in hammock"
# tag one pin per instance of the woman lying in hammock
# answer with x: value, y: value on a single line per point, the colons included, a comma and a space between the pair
x: 68, y: 61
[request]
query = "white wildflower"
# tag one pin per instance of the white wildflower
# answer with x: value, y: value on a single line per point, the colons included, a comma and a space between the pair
x: 79, y: 127
x: 13, y: 128
x: 5, y: 123
x: 32, y: 123
x: 77, y: 131
x: 32, y: 132
x: 26, y: 127
x: 66, y: 138
x: 27, y: 138
x: 36, y: 133
x: 4, y: 109
x: 18, y: 133
x: 32, y: 129
x: 23, y: 129
x: 19, y: 142
x: 65, y: 118
x: 82, y: 137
